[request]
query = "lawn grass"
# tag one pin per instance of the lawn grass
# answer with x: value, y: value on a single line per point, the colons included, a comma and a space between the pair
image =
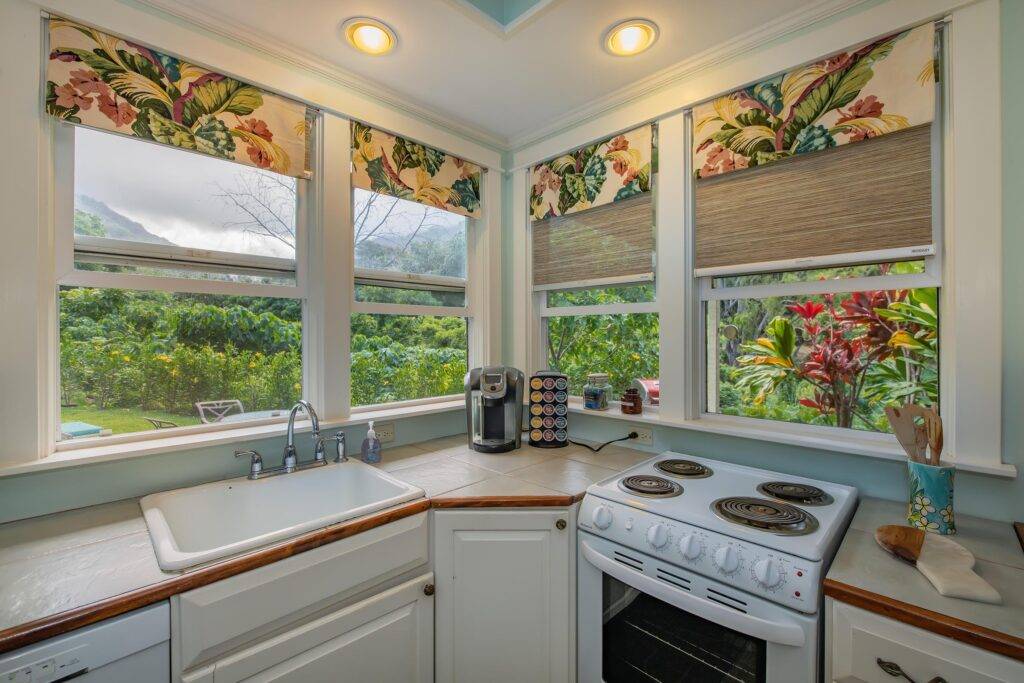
x: 122, y: 420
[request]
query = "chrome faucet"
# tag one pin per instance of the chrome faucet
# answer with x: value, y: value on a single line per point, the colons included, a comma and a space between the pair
x: 291, y: 460
x: 291, y: 463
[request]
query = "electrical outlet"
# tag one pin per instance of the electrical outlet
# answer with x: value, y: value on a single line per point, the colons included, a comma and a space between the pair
x: 644, y: 435
x: 385, y: 431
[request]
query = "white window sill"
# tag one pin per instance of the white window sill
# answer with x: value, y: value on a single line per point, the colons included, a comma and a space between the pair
x: 866, y: 443
x: 107, y: 452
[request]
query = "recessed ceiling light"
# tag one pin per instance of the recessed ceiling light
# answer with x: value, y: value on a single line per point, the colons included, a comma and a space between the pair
x: 630, y: 37
x: 370, y: 36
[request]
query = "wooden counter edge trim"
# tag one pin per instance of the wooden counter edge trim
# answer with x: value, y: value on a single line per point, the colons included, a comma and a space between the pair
x: 63, y: 622
x: 1019, y: 528
x: 957, y: 629
x: 533, y: 501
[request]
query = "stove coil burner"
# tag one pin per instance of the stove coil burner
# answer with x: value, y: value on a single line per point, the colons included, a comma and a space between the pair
x: 650, y: 485
x: 687, y: 469
x: 768, y: 515
x: 791, y: 492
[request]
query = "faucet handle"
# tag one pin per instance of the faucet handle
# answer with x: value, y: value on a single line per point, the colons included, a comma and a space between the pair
x: 339, y: 442
x: 255, y: 462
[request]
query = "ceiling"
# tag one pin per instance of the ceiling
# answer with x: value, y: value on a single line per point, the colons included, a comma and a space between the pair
x: 505, y: 78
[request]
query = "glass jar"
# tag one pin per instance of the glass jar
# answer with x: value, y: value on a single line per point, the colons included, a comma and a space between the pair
x: 596, y: 390
x: 631, y: 403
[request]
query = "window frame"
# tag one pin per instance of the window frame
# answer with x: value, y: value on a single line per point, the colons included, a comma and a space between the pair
x: 65, y: 275
x: 472, y: 285
x: 541, y: 312
x: 932, y: 277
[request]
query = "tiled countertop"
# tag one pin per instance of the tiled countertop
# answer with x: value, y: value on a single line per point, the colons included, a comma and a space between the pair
x: 865, y: 575
x: 70, y: 560
x: 448, y: 468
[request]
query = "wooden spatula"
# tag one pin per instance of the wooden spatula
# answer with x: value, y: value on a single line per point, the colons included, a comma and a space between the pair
x: 944, y: 562
x: 903, y: 427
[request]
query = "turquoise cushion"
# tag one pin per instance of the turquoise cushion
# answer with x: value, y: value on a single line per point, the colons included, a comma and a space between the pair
x: 78, y: 429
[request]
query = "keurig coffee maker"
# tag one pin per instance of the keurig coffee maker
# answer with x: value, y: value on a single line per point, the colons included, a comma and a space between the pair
x: 494, y: 408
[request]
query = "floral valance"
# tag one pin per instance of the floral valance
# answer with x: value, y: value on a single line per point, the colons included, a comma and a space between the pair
x: 608, y: 171
x: 393, y: 165
x: 99, y: 80
x: 880, y: 87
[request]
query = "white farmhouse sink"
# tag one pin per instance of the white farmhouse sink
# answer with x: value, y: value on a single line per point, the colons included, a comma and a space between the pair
x: 203, y: 523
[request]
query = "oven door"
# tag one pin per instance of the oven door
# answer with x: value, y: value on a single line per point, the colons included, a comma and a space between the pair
x: 640, y: 619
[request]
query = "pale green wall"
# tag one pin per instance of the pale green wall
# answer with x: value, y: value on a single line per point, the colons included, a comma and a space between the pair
x: 976, y: 494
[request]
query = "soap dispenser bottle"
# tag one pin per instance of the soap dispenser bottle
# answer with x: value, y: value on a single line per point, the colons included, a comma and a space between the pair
x: 371, y: 446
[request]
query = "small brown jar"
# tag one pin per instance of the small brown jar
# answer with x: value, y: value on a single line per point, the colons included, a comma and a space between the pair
x: 631, y: 403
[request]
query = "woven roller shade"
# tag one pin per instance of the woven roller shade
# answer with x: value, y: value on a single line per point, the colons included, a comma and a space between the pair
x: 875, y: 195
x: 613, y: 241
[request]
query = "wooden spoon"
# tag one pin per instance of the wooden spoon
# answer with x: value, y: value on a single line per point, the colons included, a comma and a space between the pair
x: 934, y: 426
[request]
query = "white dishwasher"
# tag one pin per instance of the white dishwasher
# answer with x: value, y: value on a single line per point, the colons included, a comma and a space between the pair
x: 131, y: 648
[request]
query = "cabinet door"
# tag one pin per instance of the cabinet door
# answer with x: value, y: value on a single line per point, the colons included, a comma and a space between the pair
x: 504, y: 597
x: 387, y: 638
x: 859, y: 639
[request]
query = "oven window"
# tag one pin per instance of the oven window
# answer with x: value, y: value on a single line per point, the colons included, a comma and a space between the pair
x: 645, y: 639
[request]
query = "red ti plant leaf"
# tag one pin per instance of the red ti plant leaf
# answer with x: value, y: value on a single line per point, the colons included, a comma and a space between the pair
x: 807, y: 311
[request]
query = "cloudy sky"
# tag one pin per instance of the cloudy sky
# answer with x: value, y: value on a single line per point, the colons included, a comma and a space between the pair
x: 175, y: 194
x: 180, y: 197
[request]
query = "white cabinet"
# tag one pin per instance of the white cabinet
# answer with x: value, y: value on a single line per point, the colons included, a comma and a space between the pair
x: 386, y: 639
x: 505, y: 599
x: 858, y: 639
x: 333, y: 609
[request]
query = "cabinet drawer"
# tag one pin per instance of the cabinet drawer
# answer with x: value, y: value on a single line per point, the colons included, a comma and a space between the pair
x: 214, y: 619
x: 859, y: 639
x: 384, y: 638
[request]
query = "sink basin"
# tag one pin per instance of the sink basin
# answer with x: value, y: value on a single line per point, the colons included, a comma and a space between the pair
x: 203, y: 523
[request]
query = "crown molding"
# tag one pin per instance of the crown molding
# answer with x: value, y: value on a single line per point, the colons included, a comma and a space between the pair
x: 270, y: 46
x: 776, y: 29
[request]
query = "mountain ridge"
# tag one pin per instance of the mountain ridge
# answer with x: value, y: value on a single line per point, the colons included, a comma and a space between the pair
x: 114, y: 225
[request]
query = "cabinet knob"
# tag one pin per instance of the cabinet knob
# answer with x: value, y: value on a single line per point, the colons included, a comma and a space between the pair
x: 560, y: 524
x: 428, y: 589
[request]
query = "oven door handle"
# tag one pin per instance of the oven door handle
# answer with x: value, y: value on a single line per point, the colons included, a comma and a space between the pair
x: 779, y: 632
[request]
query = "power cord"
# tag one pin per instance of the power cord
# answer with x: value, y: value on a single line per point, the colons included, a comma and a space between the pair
x: 631, y: 435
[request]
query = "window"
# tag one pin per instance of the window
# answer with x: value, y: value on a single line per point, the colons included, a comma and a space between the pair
x: 834, y: 358
x: 411, y: 324
x: 179, y: 300
x: 822, y: 308
x: 132, y: 361
x: 593, y: 261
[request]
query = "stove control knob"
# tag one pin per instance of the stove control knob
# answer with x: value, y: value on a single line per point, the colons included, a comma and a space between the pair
x: 690, y: 547
x: 602, y: 516
x: 657, y: 536
x: 727, y: 559
x: 767, y: 573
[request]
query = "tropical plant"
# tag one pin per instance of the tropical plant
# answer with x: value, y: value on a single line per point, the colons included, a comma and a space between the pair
x: 875, y: 348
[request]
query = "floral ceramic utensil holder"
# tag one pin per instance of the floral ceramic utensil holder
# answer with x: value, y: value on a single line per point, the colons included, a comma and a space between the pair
x: 931, y: 498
